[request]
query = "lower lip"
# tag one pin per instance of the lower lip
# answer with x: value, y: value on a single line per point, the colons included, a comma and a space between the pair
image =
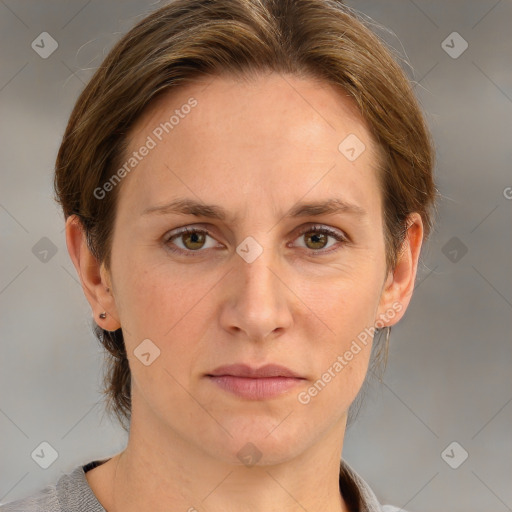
x: 255, y: 389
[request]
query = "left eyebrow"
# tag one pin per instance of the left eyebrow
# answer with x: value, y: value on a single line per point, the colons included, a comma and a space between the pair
x: 330, y: 206
x: 186, y: 206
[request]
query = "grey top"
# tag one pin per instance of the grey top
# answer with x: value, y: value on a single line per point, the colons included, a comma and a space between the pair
x: 72, y: 493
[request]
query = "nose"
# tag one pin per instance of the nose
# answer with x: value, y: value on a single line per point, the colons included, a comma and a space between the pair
x: 257, y: 301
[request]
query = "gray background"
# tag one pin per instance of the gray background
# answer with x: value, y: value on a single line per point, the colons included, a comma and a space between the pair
x: 448, y: 377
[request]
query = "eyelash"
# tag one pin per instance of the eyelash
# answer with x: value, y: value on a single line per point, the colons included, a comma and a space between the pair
x: 309, y: 229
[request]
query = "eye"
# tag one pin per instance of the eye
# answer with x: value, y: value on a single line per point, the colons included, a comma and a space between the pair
x: 192, y: 240
x: 317, y: 238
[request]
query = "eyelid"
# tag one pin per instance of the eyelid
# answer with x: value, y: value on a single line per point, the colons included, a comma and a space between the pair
x: 189, y: 228
x: 335, y: 232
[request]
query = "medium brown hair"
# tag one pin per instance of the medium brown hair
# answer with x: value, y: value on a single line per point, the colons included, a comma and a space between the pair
x: 321, y: 39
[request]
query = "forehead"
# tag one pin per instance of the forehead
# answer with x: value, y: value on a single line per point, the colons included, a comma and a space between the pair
x: 265, y: 138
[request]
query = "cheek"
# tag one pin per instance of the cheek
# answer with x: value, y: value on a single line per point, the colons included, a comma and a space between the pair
x: 340, y: 357
x: 347, y: 308
x: 152, y: 296
x: 339, y: 381
x: 164, y: 307
x: 346, y: 302
x: 168, y: 308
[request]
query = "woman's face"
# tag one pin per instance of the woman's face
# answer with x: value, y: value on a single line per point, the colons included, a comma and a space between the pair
x: 269, y: 279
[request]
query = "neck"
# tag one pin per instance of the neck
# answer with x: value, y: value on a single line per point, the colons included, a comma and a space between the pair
x: 160, y: 470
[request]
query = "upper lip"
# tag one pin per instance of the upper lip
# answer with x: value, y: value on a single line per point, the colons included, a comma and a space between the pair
x: 244, y: 370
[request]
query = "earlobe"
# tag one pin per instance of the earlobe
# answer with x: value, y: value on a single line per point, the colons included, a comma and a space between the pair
x: 399, y: 286
x: 93, y: 277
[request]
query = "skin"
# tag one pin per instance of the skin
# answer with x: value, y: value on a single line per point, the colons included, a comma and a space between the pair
x: 257, y: 148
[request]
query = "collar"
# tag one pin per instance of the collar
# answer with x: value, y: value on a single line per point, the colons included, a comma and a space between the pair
x: 355, y: 491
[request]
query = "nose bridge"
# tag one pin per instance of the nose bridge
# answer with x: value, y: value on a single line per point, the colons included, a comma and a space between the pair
x: 258, y: 282
x: 258, y: 299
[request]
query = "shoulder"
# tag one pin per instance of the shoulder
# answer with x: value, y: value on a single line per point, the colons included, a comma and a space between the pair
x: 46, y: 499
x: 71, y: 493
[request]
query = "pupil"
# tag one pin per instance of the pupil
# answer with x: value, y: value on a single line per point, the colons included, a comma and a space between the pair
x: 316, y: 238
x: 195, y: 238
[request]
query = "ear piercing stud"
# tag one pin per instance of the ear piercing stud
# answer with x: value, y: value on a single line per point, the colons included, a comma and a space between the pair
x: 104, y: 314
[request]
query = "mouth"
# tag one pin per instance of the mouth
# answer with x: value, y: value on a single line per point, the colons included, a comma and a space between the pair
x: 255, y: 384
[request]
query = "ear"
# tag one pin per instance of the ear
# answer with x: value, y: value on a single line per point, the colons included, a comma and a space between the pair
x: 95, y: 279
x: 399, y: 286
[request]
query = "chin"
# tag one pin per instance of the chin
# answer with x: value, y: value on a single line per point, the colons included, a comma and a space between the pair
x: 258, y: 443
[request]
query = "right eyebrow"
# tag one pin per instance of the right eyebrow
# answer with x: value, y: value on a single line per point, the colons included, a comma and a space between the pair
x: 186, y: 206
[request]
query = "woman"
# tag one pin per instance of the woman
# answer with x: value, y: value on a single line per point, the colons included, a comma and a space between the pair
x: 247, y: 185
